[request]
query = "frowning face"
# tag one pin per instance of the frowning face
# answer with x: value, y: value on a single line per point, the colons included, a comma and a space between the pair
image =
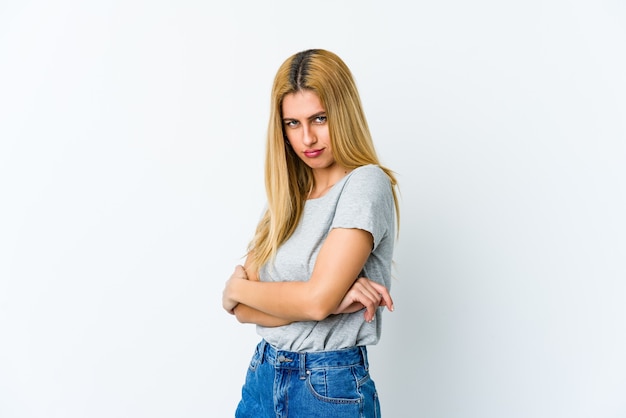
x: 306, y: 126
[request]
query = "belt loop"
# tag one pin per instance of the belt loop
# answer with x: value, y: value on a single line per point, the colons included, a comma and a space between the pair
x: 364, y: 355
x: 302, y: 361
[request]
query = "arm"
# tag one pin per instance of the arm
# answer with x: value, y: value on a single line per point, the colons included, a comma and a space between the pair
x: 339, y: 262
x: 247, y: 315
x: 363, y: 293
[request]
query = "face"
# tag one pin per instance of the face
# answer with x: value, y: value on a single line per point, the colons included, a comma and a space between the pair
x: 306, y: 127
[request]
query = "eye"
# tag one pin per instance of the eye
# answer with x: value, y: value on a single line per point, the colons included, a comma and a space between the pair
x: 291, y: 123
x: 320, y: 119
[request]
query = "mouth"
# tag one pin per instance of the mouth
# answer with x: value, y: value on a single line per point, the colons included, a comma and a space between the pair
x: 312, y: 153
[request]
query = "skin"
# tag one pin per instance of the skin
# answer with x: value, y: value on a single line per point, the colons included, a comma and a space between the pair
x: 332, y: 287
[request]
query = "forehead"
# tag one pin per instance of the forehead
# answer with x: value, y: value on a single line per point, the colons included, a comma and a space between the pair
x: 301, y: 104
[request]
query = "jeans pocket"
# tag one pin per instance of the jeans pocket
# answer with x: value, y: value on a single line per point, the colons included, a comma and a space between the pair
x: 338, y: 384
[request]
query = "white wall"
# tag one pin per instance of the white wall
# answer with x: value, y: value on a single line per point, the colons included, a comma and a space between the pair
x: 131, y: 141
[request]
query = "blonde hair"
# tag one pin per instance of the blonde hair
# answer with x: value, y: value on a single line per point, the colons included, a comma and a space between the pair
x: 287, y: 178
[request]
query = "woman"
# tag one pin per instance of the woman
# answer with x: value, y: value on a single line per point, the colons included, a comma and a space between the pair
x: 329, y: 220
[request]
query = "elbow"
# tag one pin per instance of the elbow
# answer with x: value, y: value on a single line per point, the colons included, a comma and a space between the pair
x: 318, y: 315
x: 239, y: 314
x: 319, y: 304
x: 319, y: 311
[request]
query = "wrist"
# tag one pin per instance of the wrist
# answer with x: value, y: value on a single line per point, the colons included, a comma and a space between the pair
x: 235, y: 289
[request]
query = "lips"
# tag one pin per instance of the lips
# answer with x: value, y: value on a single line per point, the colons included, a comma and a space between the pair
x: 313, y: 153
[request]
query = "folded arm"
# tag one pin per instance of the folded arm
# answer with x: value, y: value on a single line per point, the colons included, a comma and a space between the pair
x: 338, y: 264
x: 248, y: 315
x: 364, y: 293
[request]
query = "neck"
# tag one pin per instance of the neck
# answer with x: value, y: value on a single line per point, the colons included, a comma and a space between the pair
x: 325, y: 179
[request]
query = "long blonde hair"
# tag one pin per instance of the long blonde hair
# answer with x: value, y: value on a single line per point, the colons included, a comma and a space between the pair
x: 287, y: 178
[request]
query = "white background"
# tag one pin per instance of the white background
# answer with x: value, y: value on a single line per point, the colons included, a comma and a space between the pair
x: 131, y: 157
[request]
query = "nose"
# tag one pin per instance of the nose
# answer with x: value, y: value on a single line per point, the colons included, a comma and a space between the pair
x: 308, y: 136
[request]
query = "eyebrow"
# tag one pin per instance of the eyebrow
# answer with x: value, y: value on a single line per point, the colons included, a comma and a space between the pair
x: 321, y: 113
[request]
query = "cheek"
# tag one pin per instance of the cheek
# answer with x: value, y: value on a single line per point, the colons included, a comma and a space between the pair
x: 324, y: 133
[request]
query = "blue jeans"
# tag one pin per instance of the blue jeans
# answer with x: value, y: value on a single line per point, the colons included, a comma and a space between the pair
x: 328, y: 384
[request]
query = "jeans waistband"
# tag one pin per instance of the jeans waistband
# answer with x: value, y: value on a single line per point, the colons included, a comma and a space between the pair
x: 311, y: 360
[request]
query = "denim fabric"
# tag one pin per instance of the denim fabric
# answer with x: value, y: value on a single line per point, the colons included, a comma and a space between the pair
x: 286, y: 384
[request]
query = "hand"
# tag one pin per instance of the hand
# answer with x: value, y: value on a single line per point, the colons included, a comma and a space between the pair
x: 228, y: 303
x: 365, y: 293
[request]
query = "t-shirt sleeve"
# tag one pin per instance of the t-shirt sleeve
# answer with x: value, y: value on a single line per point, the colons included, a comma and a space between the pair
x: 366, y: 203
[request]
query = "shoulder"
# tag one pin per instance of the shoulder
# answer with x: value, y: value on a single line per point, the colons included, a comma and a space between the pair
x: 367, y: 183
x: 366, y: 202
x: 369, y: 175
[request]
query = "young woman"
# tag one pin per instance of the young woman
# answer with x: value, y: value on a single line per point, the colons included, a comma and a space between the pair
x: 319, y: 266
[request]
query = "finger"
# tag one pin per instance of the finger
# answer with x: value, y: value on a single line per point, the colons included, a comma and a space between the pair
x: 372, y: 295
x: 363, y: 296
x: 384, y: 294
x: 366, y: 296
x: 367, y: 288
x: 376, y: 300
x: 386, y: 299
x: 371, y: 302
x: 369, y: 315
x: 240, y: 272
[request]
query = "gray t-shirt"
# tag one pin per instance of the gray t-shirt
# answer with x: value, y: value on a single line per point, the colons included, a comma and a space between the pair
x: 363, y: 199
